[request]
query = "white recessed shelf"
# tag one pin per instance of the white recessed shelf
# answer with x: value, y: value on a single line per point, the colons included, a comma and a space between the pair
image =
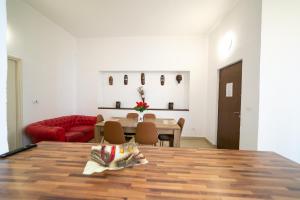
x: 156, y: 95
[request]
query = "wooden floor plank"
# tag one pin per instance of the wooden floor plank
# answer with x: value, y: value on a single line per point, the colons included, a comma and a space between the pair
x: 54, y: 171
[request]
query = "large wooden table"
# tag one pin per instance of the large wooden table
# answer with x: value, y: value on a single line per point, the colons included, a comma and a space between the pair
x: 54, y: 171
x: 165, y: 126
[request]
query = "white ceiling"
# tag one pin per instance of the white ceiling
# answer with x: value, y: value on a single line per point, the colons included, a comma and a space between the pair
x: 95, y: 18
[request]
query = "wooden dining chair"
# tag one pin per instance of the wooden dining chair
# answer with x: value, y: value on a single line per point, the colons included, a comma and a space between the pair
x: 149, y: 116
x: 146, y: 133
x: 114, y: 133
x: 100, y: 118
x: 170, y: 138
x: 132, y: 116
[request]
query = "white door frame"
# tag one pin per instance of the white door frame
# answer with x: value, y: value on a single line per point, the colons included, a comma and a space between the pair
x: 19, y: 138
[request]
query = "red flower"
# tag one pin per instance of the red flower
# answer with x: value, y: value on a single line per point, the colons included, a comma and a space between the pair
x: 141, y: 106
x: 146, y: 105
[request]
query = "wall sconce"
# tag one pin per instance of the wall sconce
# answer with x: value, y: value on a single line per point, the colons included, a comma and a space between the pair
x: 226, y: 44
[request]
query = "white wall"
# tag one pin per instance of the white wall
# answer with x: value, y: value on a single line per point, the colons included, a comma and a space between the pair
x: 144, y: 54
x: 48, y: 62
x: 3, y: 77
x: 244, y: 22
x: 279, y: 107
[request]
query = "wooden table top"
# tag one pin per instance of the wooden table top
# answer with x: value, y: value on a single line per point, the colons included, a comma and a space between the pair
x: 54, y: 171
x: 132, y: 123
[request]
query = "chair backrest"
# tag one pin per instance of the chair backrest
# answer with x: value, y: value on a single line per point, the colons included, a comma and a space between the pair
x: 132, y: 116
x: 114, y: 133
x: 180, y: 123
x: 100, y: 118
x: 149, y: 116
x: 146, y: 133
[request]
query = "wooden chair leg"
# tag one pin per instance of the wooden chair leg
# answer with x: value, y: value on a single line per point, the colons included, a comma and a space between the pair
x: 171, y: 142
x: 102, y: 140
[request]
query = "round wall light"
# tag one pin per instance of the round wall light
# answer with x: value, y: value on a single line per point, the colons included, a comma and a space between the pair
x: 226, y: 44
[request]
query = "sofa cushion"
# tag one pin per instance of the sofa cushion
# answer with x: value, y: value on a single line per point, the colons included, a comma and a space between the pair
x: 84, y: 129
x: 65, y: 122
x: 73, y: 136
x: 84, y: 121
x: 58, y: 129
x: 45, y: 133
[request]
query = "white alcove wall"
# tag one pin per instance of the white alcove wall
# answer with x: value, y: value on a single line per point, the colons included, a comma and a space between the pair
x: 156, y: 95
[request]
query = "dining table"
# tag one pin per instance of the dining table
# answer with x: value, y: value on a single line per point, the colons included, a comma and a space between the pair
x: 163, y: 126
x: 54, y: 170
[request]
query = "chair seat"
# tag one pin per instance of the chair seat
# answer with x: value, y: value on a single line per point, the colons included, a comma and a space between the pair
x: 165, y: 137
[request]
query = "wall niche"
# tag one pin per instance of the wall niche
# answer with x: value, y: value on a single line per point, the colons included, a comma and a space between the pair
x: 158, y: 95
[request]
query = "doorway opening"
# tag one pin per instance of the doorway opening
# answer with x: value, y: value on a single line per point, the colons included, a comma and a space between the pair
x: 14, y: 103
x: 230, y: 86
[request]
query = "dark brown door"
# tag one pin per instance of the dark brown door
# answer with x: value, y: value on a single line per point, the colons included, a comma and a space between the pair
x: 230, y: 85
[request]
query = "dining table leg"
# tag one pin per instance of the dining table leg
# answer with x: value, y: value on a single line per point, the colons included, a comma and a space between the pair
x: 97, y: 134
x: 176, y: 142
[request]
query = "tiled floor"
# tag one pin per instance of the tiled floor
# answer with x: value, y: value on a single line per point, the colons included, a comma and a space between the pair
x: 196, y: 143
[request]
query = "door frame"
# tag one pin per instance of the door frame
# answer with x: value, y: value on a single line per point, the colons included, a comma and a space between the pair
x: 19, y: 84
x: 218, y: 95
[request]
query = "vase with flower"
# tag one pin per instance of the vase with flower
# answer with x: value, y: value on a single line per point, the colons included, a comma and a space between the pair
x: 141, y: 107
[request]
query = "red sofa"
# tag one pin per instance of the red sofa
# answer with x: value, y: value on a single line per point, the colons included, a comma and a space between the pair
x: 74, y: 128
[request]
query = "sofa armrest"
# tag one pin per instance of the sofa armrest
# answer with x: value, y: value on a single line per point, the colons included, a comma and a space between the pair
x: 45, y: 133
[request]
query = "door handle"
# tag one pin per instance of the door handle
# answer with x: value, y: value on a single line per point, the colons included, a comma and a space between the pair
x: 237, y: 113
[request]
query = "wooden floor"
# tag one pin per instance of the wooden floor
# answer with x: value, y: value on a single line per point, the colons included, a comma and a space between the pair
x: 54, y: 171
x: 189, y: 142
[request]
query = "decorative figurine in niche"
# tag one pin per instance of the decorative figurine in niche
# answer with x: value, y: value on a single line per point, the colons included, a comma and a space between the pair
x: 171, y: 105
x: 179, y: 78
x: 142, y: 78
x: 110, y: 80
x: 118, y: 104
x: 162, y: 79
x: 125, y: 79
